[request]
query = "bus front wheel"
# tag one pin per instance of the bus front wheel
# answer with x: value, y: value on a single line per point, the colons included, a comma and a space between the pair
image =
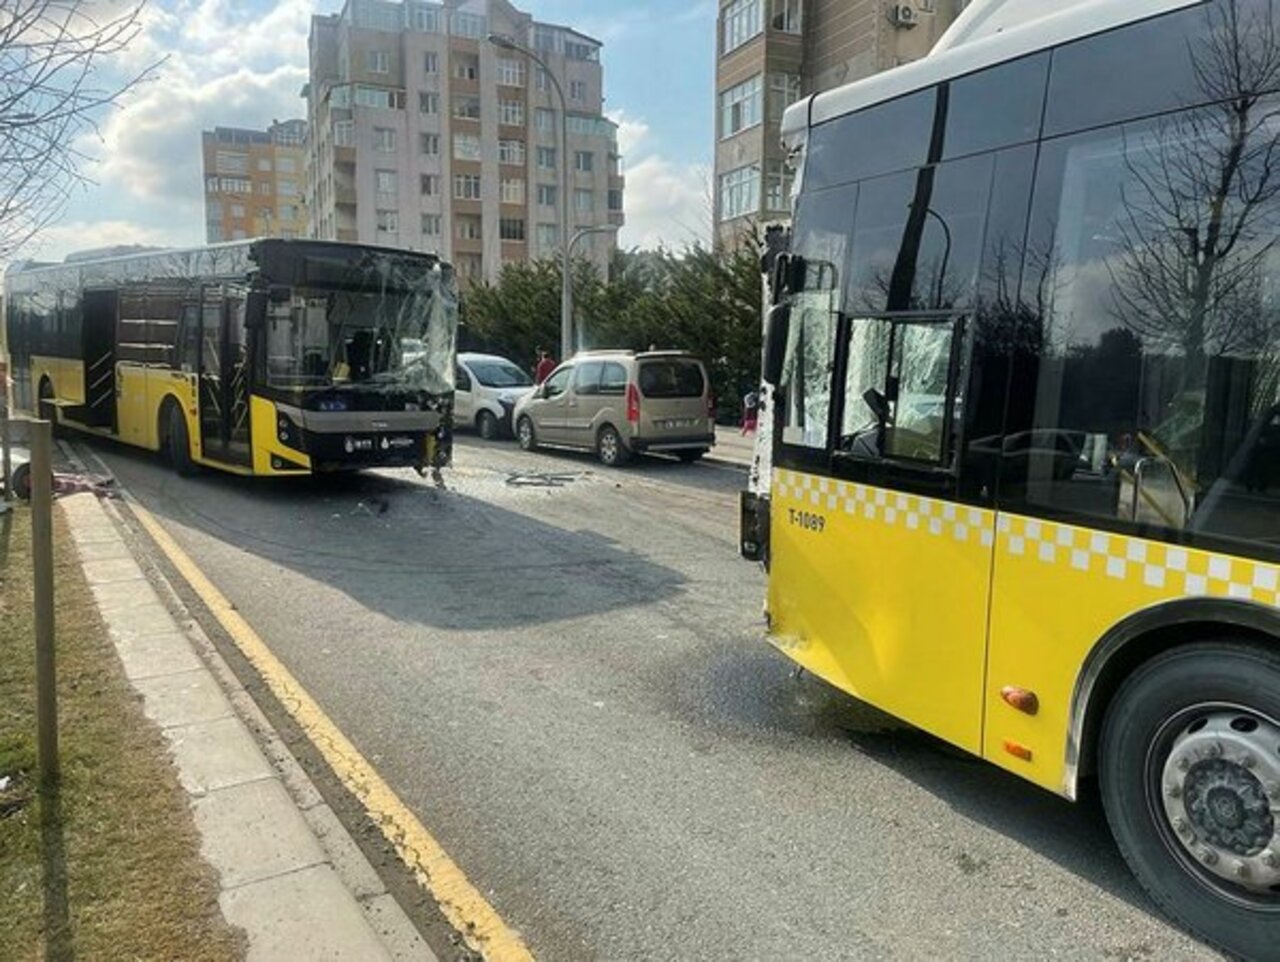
x: 177, y: 441
x: 1189, y: 764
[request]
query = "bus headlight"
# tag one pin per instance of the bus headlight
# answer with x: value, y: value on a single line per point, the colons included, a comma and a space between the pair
x: 288, y: 432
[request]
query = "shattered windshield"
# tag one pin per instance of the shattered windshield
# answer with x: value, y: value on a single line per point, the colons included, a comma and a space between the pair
x: 378, y: 337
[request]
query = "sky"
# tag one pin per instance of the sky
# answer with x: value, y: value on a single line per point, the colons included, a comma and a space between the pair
x: 244, y: 62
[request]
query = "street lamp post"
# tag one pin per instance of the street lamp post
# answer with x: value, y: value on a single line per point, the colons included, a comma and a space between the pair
x: 566, y: 264
x: 573, y: 242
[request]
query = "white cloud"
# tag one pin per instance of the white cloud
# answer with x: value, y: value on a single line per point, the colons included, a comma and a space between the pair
x: 666, y: 203
x: 55, y: 243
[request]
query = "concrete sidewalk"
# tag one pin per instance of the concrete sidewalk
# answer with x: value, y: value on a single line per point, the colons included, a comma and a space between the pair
x: 290, y: 875
x: 732, y: 447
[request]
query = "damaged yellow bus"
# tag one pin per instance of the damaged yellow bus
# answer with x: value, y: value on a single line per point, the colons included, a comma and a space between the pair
x: 1021, y: 483
x: 263, y: 357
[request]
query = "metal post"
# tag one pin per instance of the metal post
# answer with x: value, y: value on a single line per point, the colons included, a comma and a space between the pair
x: 7, y: 464
x: 573, y: 242
x: 42, y: 563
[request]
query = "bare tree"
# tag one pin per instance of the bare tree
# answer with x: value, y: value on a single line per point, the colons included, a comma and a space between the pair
x: 59, y: 71
x: 1199, y: 207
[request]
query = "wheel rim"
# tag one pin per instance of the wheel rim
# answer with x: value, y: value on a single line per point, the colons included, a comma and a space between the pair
x: 608, y: 447
x: 1213, y: 785
x: 486, y: 426
x: 526, y: 433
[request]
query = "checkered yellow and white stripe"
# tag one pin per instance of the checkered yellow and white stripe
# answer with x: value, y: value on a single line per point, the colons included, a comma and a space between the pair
x: 1168, y: 568
x: 892, y: 508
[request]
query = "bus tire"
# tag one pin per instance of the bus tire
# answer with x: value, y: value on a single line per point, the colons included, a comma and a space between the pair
x: 21, y: 481
x: 177, y: 441
x: 487, y: 425
x: 526, y: 435
x: 1190, y: 750
x: 610, y: 449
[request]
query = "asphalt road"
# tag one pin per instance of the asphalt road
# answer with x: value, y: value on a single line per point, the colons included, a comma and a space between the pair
x: 560, y: 669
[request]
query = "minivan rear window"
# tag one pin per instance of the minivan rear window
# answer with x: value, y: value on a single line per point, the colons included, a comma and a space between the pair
x: 673, y: 378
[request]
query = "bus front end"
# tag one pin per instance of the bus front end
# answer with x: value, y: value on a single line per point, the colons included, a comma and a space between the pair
x: 358, y: 349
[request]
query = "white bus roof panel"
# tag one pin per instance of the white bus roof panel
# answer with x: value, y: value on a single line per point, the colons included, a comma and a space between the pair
x: 987, y: 33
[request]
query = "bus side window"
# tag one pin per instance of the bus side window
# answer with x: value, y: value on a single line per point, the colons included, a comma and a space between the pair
x: 1139, y: 396
x: 189, y: 338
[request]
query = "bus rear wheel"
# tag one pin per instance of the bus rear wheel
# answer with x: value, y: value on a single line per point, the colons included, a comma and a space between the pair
x: 1189, y: 764
x: 177, y: 441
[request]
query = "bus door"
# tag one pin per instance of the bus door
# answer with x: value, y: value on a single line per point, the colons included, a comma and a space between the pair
x: 224, y: 375
x: 880, y: 578
x: 98, y: 332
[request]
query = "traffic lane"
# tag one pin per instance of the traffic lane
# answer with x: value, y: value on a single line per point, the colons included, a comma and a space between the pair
x: 645, y: 779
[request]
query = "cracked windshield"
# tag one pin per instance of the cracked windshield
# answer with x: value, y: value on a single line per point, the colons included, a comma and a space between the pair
x: 511, y: 480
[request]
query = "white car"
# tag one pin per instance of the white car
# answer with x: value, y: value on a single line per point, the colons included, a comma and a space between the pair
x: 485, y: 393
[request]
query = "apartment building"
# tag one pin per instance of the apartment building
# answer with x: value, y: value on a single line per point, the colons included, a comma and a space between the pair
x: 770, y: 53
x: 254, y: 181
x: 427, y: 136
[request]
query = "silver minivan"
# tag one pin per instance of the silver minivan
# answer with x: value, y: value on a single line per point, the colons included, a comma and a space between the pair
x: 622, y: 403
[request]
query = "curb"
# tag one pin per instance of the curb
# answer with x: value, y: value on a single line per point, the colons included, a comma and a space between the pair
x: 291, y: 876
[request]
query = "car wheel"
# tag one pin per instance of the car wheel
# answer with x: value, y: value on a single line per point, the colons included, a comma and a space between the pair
x: 487, y: 425
x: 1189, y: 765
x: 21, y: 481
x: 178, y: 441
x: 525, y: 435
x: 688, y: 457
x: 609, y: 447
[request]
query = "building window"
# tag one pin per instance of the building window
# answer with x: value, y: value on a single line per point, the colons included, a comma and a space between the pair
x: 741, y: 21
x: 466, y: 68
x: 289, y: 212
x: 237, y: 210
x: 213, y: 210
x: 511, y: 152
x: 344, y: 133
x: 215, y: 233
x: 388, y: 221
x: 548, y: 237
x: 511, y: 112
x: 264, y: 165
x: 426, y: 19
x: 740, y: 107
x: 467, y: 228
x: 467, y: 108
x: 784, y: 90
x: 546, y: 158
x: 581, y: 51
x: 615, y: 200
x: 379, y: 97
x: 466, y: 186
x: 264, y: 187
x: 777, y: 186
x: 739, y: 192
x: 384, y: 182
x: 547, y: 195
x: 429, y: 145
x: 589, y: 126
x: 384, y: 140
x: 284, y: 165
x: 378, y: 61
x: 511, y: 229
x: 577, y: 90
x: 238, y: 234
x: 429, y: 185
x: 225, y: 162
x: 469, y: 266
x: 430, y: 63
x: 234, y: 185
x: 512, y: 190
x: 785, y: 15
x: 544, y: 119
x: 584, y: 200
x: 428, y: 102
x: 510, y: 72
x: 467, y: 25
x: 466, y: 146
x: 430, y: 225
x: 543, y: 79
x: 584, y: 161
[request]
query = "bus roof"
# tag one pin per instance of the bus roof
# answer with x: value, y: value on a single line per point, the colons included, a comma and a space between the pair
x: 987, y: 33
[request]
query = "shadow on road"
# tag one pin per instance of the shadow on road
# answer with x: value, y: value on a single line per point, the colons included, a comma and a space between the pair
x: 404, y: 549
x: 757, y: 693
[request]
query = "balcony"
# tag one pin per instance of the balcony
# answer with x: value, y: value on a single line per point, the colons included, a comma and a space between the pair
x: 344, y: 195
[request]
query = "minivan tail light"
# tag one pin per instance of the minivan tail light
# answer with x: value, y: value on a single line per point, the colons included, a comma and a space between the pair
x: 633, y: 404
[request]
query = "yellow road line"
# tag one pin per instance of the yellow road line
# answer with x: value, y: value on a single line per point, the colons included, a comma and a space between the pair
x: 463, y: 905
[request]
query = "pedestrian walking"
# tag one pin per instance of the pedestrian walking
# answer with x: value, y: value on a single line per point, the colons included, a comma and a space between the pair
x: 750, y: 412
x: 544, y: 367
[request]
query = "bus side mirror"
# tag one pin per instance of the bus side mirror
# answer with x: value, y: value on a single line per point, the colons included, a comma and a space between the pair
x: 776, y: 331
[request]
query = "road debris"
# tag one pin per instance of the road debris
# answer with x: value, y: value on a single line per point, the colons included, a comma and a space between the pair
x: 541, y: 479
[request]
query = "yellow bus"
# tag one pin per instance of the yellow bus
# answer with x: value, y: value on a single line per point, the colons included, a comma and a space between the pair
x: 1021, y: 484
x: 263, y: 357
